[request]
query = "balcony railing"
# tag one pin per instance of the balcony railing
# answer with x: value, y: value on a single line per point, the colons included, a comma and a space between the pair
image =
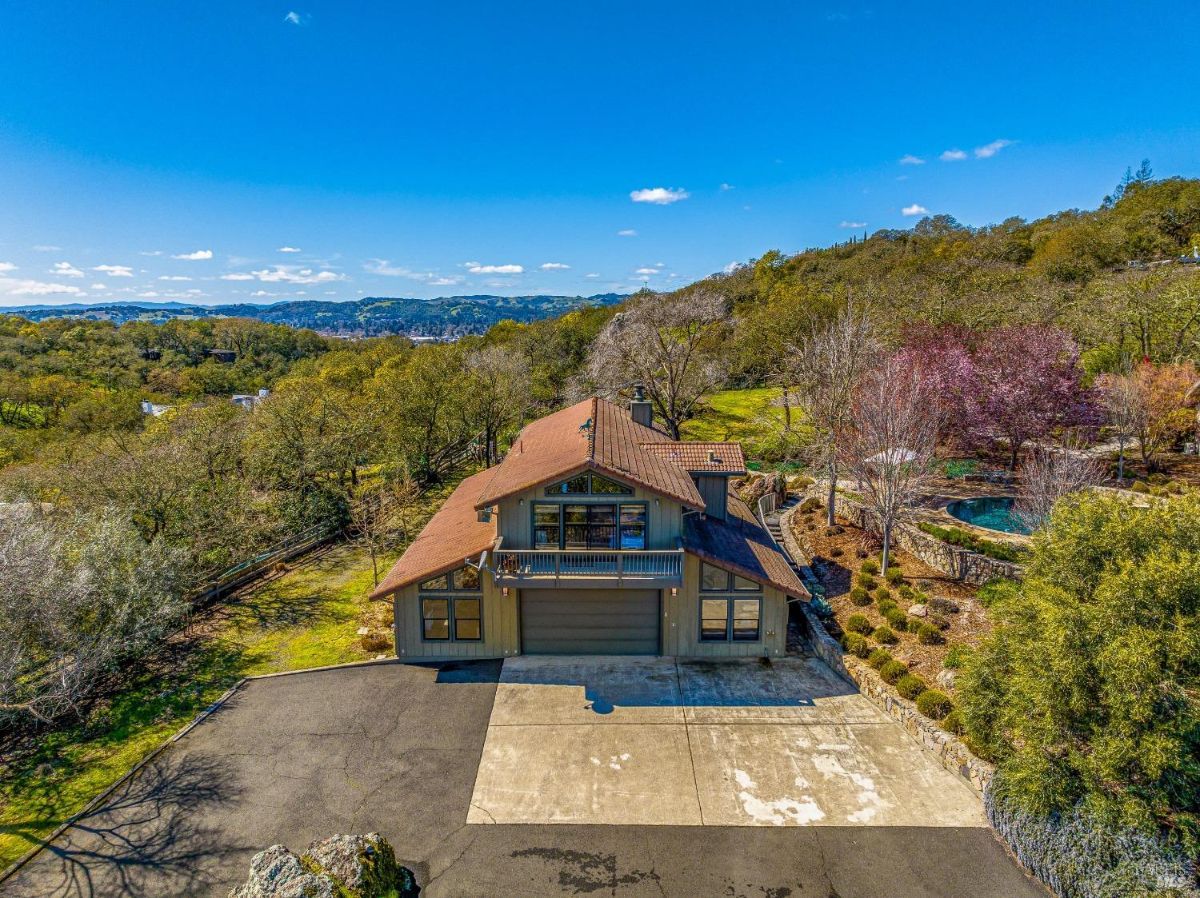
x: 589, y: 568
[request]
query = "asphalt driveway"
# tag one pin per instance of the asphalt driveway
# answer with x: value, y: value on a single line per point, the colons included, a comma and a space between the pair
x: 396, y: 748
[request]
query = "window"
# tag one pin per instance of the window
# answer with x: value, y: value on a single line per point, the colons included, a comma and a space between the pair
x: 730, y: 620
x: 589, y: 526
x: 716, y: 579
x: 633, y: 527
x: 451, y: 617
x: 583, y: 484
x: 546, y: 521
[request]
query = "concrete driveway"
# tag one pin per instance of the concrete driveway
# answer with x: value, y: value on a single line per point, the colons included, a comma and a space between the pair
x: 660, y: 741
x: 397, y: 748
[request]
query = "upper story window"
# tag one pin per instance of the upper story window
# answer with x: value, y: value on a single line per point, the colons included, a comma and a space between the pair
x: 589, y: 484
x: 716, y: 579
x: 589, y: 526
x: 452, y: 607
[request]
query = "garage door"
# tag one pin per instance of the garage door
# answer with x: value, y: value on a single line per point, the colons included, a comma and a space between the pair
x: 589, y: 622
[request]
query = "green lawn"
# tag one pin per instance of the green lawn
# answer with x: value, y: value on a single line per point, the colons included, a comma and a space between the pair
x: 746, y: 416
x: 306, y: 618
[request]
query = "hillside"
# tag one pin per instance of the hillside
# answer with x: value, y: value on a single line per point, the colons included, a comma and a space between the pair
x: 369, y: 317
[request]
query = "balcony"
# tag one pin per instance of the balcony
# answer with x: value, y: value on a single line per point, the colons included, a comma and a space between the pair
x: 589, y: 568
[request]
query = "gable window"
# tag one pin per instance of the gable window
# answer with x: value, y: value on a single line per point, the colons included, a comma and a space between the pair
x: 449, y: 611
x: 730, y: 619
x: 585, y: 484
x: 589, y: 526
x: 716, y: 579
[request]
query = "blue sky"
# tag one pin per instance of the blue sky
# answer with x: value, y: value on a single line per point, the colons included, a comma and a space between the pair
x: 408, y: 149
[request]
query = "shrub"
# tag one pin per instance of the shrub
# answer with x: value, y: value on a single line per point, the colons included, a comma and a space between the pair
x: 894, y: 576
x: 812, y: 503
x: 928, y: 634
x: 906, y: 592
x: 822, y: 608
x: 910, y: 686
x: 956, y: 656
x: 1140, y: 486
x: 884, y: 635
x: 835, y: 552
x: 953, y: 723
x: 376, y: 642
x: 896, y: 618
x: 996, y: 589
x: 865, y: 580
x: 870, y: 566
x: 878, y: 658
x: 892, y: 671
x: 856, y: 644
x: 886, y: 605
x: 834, y: 530
x: 934, y: 704
x: 943, y: 606
x: 883, y: 594
x: 860, y: 597
x: 912, y: 623
x: 860, y: 552
x: 858, y: 623
x: 938, y: 621
x: 956, y: 536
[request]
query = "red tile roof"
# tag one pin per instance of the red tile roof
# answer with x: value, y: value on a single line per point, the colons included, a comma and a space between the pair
x: 740, y: 544
x: 452, y: 535
x: 699, y: 458
x: 591, y: 435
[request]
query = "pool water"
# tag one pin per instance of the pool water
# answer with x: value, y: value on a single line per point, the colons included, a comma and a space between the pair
x: 991, y: 512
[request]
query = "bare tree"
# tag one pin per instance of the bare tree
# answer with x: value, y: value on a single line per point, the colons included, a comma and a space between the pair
x: 1125, y: 405
x: 1048, y: 475
x: 499, y: 390
x: 889, y: 441
x: 673, y: 344
x: 824, y: 368
x: 377, y: 517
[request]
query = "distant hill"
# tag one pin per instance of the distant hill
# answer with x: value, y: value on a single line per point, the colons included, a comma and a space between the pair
x: 370, y: 317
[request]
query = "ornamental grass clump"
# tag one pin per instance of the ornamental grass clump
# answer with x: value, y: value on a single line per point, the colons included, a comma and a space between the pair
x: 860, y: 597
x: 910, y: 686
x: 858, y: 623
x: 933, y: 703
x: 884, y: 635
x: 870, y: 566
x: 866, y: 581
x: 892, y: 671
x: 878, y: 658
x: 894, y: 576
x: 856, y: 644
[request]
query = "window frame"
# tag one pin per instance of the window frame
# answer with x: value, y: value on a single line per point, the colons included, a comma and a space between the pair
x: 560, y: 488
x: 731, y: 581
x: 589, y: 526
x: 452, y: 593
x: 731, y: 619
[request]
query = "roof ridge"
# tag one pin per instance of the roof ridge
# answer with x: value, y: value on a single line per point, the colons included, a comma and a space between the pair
x: 591, y: 434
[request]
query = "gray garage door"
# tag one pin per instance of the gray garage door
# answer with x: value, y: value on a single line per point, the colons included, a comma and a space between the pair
x: 589, y: 622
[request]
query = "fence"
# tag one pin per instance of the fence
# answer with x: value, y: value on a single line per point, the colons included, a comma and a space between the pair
x: 218, y: 584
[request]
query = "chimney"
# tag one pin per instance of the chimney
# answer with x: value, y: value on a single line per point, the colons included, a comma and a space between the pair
x: 640, y: 408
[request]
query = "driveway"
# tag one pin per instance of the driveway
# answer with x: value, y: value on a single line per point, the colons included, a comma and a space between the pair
x: 400, y: 749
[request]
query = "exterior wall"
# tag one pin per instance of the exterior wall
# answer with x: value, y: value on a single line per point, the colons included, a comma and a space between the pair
x: 664, y: 520
x: 681, y: 622
x: 500, y: 628
x: 715, y: 490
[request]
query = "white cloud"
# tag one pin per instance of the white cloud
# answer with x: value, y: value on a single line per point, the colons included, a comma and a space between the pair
x: 17, y: 287
x: 7, y: 266
x: 476, y: 268
x: 148, y: 294
x: 200, y: 255
x: 592, y: 274
x: 627, y: 232
x: 726, y: 186
x: 261, y: 293
x: 237, y: 276
x: 387, y: 269
x: 987, y: 151
x: 728, y: 269
x: 853, y: 224
x: 115, y: 271
x: 444, y: 281
x: 289, y: 249
x: 659, y: 196
x: 290, y: 274
x: 910, y: 159
x: 45, y: 248
x: 914, y: 209
x: 954, y: 155
x: 66, y: 270
x: 297, y: 18
x: 173, y: 277
x: 151, y: 252
x: 99, y: 286
x: 554, y: 266
x: 647, y: 272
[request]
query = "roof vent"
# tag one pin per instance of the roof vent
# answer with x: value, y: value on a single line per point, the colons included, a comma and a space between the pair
x: 640, y: 408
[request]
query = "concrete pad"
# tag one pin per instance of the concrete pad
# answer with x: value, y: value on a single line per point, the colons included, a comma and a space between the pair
x: 587, y: 690
x: 816, y: 775
x: 637, y: 774
x: 791, y: 690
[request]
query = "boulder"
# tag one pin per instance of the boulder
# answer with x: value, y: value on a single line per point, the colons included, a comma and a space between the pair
x: 919, y: 610
x: 945, y: 679
x: 337, y: 867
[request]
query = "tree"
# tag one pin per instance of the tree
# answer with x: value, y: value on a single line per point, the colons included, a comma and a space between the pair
x: 889, y: 440
x: 377, y: 516
x: 1125, y: 409
x: 1051, y: 474
x: 499, y: 388
x: 81, y: 596
x: 825, y: 369
x: 674, y: 345
x: 1163, y: 391
x: 1086, y: 688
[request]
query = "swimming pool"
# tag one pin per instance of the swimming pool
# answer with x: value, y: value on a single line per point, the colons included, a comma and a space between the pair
x: 990, y: 512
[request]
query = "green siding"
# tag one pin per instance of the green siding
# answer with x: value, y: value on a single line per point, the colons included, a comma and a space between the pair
x: 500, y: 620
x: 681, y: 632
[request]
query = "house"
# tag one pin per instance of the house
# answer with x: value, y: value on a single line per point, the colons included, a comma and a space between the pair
x: 249, y: 401
x: 597, y: 534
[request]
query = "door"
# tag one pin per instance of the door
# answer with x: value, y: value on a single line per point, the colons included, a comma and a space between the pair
x: 589, y: 621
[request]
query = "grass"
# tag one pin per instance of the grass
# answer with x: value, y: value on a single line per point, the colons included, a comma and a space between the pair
x: 746, y: 416
x: 956, y: 536
x: 306, y: 618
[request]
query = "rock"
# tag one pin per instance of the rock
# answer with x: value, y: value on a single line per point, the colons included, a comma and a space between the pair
x: 277, y: 873
x: 946, y: 679
x: 919, y: 610
x: 337, y: 867
x: 363, y: 631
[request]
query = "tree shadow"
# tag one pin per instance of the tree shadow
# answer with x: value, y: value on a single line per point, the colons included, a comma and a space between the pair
x: 146, y: 839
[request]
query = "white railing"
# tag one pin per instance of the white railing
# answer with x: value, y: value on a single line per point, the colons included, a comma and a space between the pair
x: 552, y: 567
x: 767, y: 503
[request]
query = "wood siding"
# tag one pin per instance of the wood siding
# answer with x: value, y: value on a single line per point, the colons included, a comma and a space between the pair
x: 500, y: 628
x: 715, y: 490
x: 681, y: 622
